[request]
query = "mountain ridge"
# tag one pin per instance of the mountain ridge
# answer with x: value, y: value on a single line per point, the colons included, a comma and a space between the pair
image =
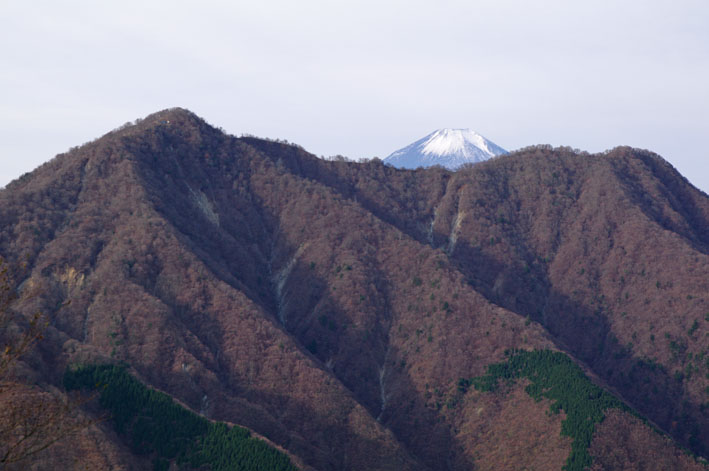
x: 332, y: 307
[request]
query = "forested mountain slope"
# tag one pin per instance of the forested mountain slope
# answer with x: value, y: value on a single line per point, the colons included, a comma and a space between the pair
x: 335, y: 308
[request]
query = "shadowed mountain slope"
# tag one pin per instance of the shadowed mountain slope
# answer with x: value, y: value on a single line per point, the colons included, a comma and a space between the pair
x: 334, y: 307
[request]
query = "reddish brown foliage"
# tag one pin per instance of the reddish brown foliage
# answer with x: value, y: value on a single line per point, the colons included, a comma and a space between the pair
x: 333, y: 306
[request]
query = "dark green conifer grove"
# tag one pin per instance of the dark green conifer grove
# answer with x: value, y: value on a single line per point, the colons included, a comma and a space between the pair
x: 155, y: 424
x: 556, y: 377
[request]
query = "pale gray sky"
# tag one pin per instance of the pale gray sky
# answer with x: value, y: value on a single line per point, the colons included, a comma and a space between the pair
x: 361, y: 78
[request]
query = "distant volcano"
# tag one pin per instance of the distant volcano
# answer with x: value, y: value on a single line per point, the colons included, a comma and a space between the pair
x: 449, y: 148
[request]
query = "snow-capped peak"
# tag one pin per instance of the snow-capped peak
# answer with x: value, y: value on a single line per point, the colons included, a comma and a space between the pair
x: 453, y: 141
x: 450, y: 148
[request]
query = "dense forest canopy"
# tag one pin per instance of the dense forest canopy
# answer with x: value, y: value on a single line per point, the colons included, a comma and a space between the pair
x: 332, y: 307
x: 156, y: 425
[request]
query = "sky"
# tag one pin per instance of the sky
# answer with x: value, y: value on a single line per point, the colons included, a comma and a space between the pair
x: 361, y: 78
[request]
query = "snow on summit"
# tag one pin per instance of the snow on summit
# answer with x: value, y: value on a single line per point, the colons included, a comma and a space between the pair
x: 450, y: 148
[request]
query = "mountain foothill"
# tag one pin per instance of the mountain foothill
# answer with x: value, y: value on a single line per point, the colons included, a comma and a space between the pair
x: 359, y: 316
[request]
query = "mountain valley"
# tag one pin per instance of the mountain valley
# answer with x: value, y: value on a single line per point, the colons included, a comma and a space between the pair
x: 349, y: 313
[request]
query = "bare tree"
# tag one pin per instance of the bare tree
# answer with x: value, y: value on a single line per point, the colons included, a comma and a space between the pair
x: 31, y: 418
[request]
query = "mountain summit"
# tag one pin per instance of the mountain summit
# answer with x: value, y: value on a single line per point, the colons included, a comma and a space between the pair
x: 508, y: 316
x: 449, y: 148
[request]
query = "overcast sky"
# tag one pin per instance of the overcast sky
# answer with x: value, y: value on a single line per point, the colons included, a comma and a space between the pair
x: 361, y: 78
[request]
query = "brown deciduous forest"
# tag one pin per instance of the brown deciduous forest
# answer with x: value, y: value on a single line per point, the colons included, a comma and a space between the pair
x: 345, y: 312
